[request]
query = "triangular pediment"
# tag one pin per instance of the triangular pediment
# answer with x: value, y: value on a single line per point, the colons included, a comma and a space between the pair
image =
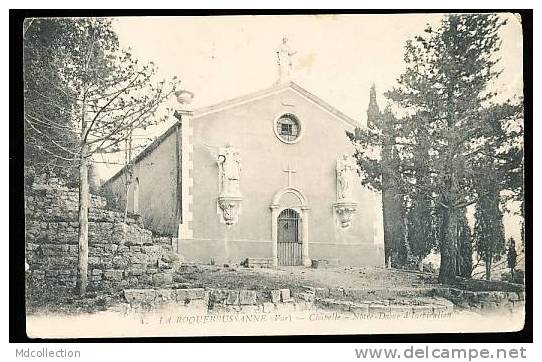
x: 311, y: 97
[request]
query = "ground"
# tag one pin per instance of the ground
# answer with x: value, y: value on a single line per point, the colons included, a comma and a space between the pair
x: 377, y: 279
x: 378, y: 282
x: 370, y: 283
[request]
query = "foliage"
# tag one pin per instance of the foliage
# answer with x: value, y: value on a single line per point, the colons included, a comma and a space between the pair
x: 50, y: 137
x: 464, y: 257
x: 449, y: 135
x: 102, y: 93
x: 81, y: 88
x: 511, y: 255
x: 488, y: 228
x: 420, y: 228
x: 517, y: 278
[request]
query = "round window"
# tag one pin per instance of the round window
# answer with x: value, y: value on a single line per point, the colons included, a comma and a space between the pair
x: 288, y: 128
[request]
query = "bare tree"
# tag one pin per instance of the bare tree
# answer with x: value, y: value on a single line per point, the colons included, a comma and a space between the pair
x: 107, y: 94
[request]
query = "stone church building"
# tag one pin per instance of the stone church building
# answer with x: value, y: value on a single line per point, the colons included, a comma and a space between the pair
x: 265, y: 175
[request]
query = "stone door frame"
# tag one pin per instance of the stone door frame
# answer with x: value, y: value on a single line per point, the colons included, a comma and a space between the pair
x: 303, y: 210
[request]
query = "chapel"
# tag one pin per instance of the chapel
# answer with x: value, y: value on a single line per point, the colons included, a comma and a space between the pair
x: 268, y: 175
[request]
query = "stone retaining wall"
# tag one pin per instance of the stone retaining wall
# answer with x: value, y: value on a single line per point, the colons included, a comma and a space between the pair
x: 441, y: 303
x: 484, y: 300
x: 121, y: 255
x: 281, y: 301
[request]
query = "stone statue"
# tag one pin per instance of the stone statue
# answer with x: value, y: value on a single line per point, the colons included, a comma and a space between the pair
x: 284, y: 60
x: 229, y: 163
x: 346, y: 177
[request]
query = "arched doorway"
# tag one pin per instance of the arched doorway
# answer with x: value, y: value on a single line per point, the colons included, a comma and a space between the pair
x: 289, y: 238
x: 290, y: 227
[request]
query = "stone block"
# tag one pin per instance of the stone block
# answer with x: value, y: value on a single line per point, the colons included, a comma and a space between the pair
x: 512, y: 296
x: 144, y: 279
x: 247, y: 297
x: 377, y: 309
x: 166, y: 295
x: 355, y: 294
x: 400, y: 309
x: 307, y: 297
x: 96, y: 272
x: 51, y: 273
x: 162, y: 265
x: 135, y: 272
x: 422, y: 309
x: 233, y: 297
x: 442, y: 302
x: 218, y: 295
x: 139, y: 296
x: 120, y: 262
x: 360, y: 308
x: 336, y: 292
x: 160, y: 279
x: 130, y: 282
x: 341, y: 305
x: 114, y: 275
x: 275, y: 296
x: 285, y: 296
x: 488, y: 305
x: 321, y: 292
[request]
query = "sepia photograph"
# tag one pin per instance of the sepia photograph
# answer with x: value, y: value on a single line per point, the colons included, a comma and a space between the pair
x: 274, y: 175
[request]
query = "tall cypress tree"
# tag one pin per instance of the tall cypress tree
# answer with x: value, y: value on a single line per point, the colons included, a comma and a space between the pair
x: 420, y: 230
x: 445, y: 97
x: 511, y: 256
x: 464, y: 260
x: 488, y: 228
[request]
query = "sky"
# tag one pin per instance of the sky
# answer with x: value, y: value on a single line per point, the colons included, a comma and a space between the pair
x: 338, y: 56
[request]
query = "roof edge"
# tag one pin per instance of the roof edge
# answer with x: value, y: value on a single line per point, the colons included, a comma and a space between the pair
x: 151, y: 147
x: 200, y: 112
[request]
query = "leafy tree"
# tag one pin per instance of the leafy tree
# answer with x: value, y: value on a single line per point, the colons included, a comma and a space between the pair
x: 511, y: 256
x: 448, y: 129
x: 49, y: 133
x: 488, y: 228
x: 108, y: 94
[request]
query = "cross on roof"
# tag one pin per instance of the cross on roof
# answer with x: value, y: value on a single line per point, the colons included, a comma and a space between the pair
x: 290, y: 171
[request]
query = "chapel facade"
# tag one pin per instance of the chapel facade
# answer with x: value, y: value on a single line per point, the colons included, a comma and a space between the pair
x: 266, y: 175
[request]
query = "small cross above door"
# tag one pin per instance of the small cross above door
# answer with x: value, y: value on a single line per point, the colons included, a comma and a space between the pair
x: 290, y: 171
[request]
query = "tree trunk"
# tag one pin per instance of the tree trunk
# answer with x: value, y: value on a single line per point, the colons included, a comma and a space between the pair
x: 448, y: 247
x: 83, y: 222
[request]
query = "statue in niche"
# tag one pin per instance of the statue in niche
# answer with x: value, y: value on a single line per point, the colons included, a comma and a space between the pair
x: 346, y: 177
x: 229, y: 163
